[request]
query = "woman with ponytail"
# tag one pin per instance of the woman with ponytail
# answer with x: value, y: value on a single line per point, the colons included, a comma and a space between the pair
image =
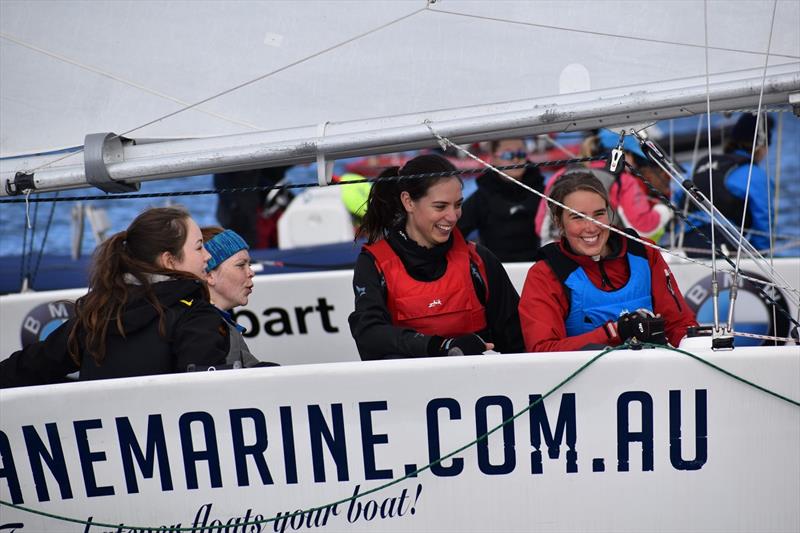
x: 147, y: 310
x: 421, y: 290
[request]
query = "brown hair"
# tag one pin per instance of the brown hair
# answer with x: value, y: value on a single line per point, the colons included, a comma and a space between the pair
x: 209, y: 232
x: 384, y: 209
x: 571, y: 181
x: 136, y: 252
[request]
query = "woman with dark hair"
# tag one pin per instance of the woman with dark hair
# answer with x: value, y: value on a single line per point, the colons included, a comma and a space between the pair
x: 594, y: 287
x: 421, y: 290
x: 147, y: 310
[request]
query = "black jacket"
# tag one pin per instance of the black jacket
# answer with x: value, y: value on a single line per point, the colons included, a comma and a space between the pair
x: 504, y: 215
x: 195, y: 334
x: 371, y: 324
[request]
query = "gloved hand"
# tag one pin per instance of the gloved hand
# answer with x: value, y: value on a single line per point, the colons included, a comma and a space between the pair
x: 643, y: 326
x: 470, y: 344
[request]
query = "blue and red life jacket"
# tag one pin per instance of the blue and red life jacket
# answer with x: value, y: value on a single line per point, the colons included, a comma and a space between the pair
x: 590, y: 307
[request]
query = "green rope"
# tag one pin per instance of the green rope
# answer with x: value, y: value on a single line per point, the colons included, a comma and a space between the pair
x: 428, y: 466
x: 727, y: 373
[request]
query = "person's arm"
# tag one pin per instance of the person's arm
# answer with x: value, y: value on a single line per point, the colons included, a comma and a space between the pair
x: 543, y: 308
x: 502, y: 315
x: 371, y: 324
x: 635, y: 208
x: 470, y: 214
x: 668, y: 300
x: 757, y: 204
x: 200, y: 337
x: 39, y: 363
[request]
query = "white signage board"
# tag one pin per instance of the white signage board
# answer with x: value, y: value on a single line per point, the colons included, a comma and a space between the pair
x: 302, y: 317
x: 639, y: 441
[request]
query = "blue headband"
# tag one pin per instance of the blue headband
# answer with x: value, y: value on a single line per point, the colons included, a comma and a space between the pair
x: 222, y: 246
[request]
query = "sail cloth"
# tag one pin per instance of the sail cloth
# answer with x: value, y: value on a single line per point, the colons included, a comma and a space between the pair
x: 68, y: 69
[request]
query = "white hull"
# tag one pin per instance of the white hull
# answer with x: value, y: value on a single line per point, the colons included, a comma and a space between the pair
x: 715, y: 454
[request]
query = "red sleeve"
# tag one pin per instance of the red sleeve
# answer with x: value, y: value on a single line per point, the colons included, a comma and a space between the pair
x: 667, y: 298
x: 543, y: 307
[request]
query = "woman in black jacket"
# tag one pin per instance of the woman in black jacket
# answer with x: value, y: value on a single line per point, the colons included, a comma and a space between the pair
x: 420, y: 289
x: 503, y: 212
x: 147, y: 310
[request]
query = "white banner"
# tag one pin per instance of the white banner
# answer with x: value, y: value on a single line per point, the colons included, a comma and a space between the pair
x: 302, y: 318
x: 640, y: 441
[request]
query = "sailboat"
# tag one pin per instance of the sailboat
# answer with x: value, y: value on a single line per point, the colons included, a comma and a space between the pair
x: 111, y: 94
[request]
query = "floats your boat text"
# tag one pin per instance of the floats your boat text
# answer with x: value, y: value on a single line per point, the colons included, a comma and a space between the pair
x: 333, y: 439
x: 358, y: 509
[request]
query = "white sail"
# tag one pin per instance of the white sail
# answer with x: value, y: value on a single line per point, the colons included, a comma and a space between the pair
x: 373, y: 71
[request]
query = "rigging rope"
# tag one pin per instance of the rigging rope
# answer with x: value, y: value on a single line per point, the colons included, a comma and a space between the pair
x: 732, y: 303
x: 422, y: 469
x: 663, y: 250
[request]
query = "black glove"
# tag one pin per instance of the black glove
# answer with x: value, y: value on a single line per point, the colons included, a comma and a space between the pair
x: 642, y: 326
x: 470, y: 344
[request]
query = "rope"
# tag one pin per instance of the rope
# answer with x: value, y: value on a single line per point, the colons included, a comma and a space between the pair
x: 606, y: 34
x: 752, y: 162
x: 644, y: 242
x: 393, y: 482
x: 764, y: 337
x: 459, y: 172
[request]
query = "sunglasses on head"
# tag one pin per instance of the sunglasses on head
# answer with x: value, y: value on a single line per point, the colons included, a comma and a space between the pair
x: 510, y: 156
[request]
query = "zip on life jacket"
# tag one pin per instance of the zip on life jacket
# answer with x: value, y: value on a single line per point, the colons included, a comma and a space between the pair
x: 448, y: 306
x: 590, y: 307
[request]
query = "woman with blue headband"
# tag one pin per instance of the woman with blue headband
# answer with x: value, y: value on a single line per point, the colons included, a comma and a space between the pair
x: 230, y: 282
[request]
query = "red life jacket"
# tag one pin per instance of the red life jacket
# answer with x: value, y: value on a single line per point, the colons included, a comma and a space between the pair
x: 448, y: 306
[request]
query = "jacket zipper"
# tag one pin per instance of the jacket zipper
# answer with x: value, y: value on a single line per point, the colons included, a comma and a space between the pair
x: 671, y: 290
x: 605, y: 280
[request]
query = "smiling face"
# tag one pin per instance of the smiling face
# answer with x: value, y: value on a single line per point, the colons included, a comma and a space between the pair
x: 432, y: 217
x: 193, y: 257
x: 584, y: 236
x: 231, y: 282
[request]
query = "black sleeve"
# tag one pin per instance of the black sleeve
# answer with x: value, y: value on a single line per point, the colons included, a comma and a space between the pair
x: 470, y: 214
x: 39, y: 363
x: 502, y: 315
x: 371, y: 324
x: 200, y: 337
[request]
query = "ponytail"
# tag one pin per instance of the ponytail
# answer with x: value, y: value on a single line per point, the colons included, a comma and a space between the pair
x: 383, y: 206
x: 384, y: 209
x: 130, y: 253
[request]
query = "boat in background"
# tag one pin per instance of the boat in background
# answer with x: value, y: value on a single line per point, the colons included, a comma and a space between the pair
x: 622, y: 440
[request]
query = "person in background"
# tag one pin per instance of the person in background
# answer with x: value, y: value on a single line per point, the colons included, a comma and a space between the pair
x: 729, y: 174
x: 253, y: 214
x: 502, y: 211
x: 629, y: 197
x: 420, y: 289
x: 147, y: 310
x: 230, y: 282
x: 595, y: 287
x: 354, y: 196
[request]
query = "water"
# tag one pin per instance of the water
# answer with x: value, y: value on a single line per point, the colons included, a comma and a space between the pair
x: 203, y: 207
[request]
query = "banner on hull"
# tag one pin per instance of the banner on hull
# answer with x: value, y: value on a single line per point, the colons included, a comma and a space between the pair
x: 648, y: 440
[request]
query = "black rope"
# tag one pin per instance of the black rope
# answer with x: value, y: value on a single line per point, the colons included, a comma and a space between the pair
x: 460, y: 172
x: 44, y: 242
